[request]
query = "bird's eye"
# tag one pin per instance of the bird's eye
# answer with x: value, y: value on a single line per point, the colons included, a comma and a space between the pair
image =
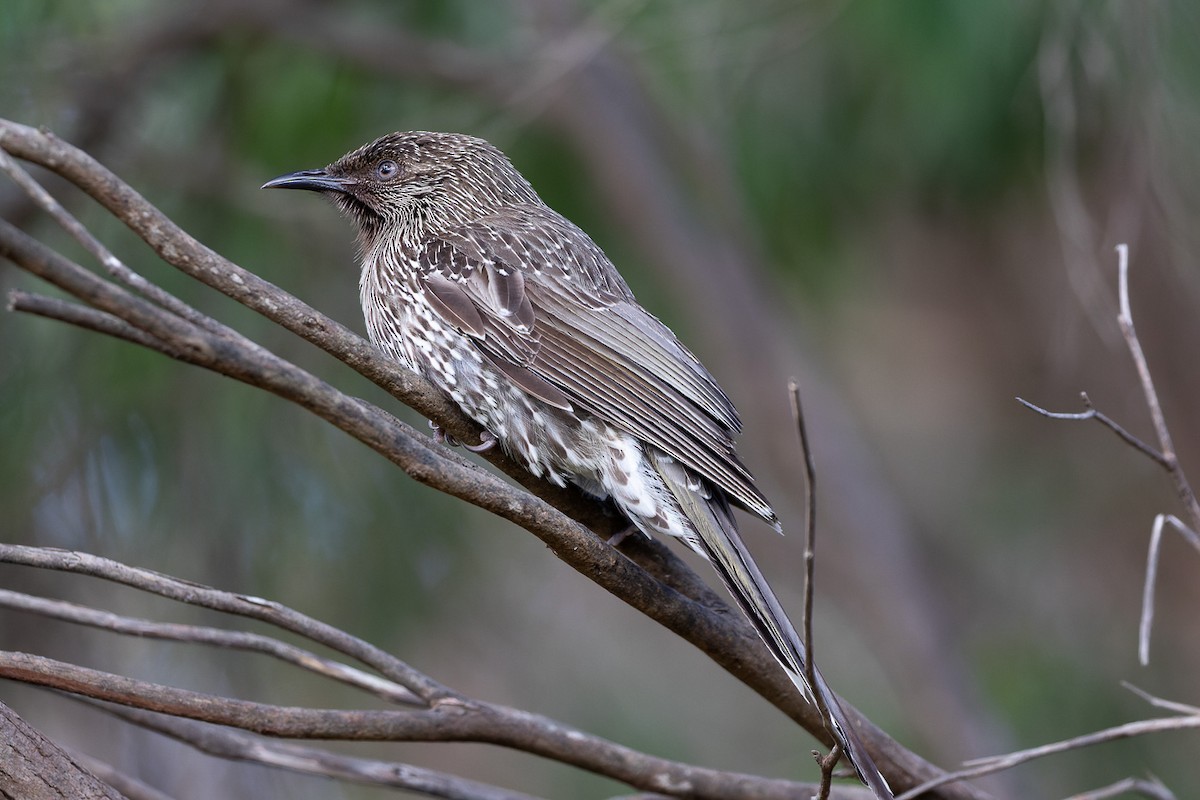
x: 387, y: 169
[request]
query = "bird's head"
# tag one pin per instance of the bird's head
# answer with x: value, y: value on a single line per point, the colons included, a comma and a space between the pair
x: 412, y: 183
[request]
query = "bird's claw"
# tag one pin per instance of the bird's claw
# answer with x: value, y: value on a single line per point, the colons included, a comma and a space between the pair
x: 486, y: 440
x: 620, y: 536
x: 441, y: 437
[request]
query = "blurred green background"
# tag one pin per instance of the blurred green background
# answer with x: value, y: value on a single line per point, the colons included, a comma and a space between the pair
x: 910, y: 206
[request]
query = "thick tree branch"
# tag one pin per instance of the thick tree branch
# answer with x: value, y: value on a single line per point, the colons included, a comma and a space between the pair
x: 34, y: 768
x: 129, y: 787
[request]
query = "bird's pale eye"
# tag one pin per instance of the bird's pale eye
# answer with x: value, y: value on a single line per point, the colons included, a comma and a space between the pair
x: 387, y: 169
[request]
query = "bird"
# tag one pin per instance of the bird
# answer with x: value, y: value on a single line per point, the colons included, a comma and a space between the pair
x: 471, y: 280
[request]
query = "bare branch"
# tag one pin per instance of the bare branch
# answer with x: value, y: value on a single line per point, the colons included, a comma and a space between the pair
x: 1093, y: 413
x: 452, y: 718
x: 1147, y: 619
x: 88, y: 319
x: 236, y: 640
x: 1165, y: 456
x: 986, y: 766
x: 1148, y: 788
x: 1159, y: 702
x: 1126, y: 731
x: 810, y: 529
x: 238, y: 746
x: 1125, y: 319
x: 114, y: 265
x: 827, y: 762
x: 241, y: 605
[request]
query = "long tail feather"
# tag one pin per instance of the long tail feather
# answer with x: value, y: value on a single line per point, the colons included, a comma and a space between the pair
x: 717, y: 539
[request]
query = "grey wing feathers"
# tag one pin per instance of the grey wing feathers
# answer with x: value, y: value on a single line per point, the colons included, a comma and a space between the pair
x: 628, y: 394
x: 537, y: 293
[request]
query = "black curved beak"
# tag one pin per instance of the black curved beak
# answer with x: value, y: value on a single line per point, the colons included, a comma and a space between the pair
x: 315, y: 180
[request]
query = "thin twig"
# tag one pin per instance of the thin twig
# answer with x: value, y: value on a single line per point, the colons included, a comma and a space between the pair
x: 1125, y: 319
x: 89, y: 319
x: 236, y: 745
x: 1126, y: 731
x: 219, y: 637
x: 1165, y: 456
x: 1161, y: 702
x: 1094, y: 413
x: 114, y: 265
x: 986, y: 766
x: 1152, y: 788
x: 1147, y: 590
x: 828, y: 762
x: 810, y: 534
x: 1146, y: 624
x: 241, y: 605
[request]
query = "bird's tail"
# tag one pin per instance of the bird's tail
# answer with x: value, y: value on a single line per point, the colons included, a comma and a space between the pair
x: 717, y: 539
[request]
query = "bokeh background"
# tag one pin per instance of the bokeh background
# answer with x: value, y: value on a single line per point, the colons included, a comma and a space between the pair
x: 912, y: 207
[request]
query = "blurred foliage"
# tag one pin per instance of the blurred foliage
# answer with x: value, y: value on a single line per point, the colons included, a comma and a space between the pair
x: 891, y: 159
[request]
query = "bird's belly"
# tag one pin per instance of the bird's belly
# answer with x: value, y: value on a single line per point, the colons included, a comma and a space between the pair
x: 560, y: 446
x: 571, y: 447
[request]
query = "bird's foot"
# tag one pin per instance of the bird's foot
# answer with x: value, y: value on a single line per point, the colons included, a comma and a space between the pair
x: 486, y: 440
x: 620, y: 536
x: 441, y: 437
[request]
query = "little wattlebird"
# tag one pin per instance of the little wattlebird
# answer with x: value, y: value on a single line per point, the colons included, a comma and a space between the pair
x: 471, y: 280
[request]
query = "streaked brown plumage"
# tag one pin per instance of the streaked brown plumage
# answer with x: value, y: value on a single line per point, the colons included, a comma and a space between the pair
x: 471, y: 280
